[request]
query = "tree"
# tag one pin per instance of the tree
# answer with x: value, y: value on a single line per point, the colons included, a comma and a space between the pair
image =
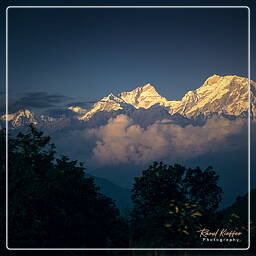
x: 235, y: 217
x: 170, y: 204
x: 51, y: 203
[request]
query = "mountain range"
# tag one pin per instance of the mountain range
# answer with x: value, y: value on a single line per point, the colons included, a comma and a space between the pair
x: 226, y: 95
x: 221, y: 96
x: 85, y: 132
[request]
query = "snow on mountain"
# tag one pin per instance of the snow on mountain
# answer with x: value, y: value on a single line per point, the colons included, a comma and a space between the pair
x: 78, y: 110
x: 143, y: 97
x: 226, y: 95
x: 223, y: 96
x: 109, y: 103
x: 20, y: 118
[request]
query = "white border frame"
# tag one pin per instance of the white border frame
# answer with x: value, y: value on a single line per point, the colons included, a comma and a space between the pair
x: 249, y: 133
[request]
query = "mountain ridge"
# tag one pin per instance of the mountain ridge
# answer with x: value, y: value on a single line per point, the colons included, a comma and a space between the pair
x: 218, y: 95
x: 227, y: 95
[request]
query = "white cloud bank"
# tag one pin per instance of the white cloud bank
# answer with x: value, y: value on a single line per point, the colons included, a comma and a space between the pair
x: 122, y: 141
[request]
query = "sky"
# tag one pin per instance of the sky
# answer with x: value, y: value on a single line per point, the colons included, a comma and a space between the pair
x: 85, y: 54
x: 59, y: 56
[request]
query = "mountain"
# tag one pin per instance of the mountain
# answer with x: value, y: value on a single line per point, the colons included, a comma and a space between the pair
x: 240, y: 206
x: 143, y: 97
x: 225, y: 96
x: 81, y: 130
x: 20, y: 118
x: 121, y: 195
x: 108, y: 103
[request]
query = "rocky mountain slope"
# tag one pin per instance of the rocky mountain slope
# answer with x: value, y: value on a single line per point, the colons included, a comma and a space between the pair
x: 226, y: 95
x: 20, y: 118
x: 218, y: 95
x: 222, y: 96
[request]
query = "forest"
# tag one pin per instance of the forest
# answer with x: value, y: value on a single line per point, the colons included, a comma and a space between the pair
x: 52, y: 204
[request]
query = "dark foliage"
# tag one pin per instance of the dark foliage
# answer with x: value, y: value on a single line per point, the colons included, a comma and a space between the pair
x: 51, y: 203
x: 171, y: 203
x: 235, y: 217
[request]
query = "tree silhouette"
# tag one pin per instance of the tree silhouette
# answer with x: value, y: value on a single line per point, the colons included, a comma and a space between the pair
x: 51, y: 203
x: 171, y: 203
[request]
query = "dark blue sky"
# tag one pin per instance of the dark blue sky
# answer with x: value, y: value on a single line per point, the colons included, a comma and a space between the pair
x: 88, y: 53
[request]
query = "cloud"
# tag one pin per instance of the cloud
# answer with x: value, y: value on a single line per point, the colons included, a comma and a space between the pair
x: 33, y: 100
x: 123, y: 141
x: 13, y: 106
x: 59, y: 112
x: 83, y: 104
x: 41, y: 100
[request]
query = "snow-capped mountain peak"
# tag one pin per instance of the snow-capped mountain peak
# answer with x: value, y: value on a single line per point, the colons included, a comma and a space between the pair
x: 143, y: 97
x: 223, y: 95
x: 218, y: 95
x: 227, y: 95
x: 108, y: 103
x: 211, y: 80
x: 23, y: 116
